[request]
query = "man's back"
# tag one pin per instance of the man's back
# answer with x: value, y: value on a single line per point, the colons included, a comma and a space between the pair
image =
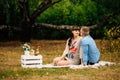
x: 90, y: 51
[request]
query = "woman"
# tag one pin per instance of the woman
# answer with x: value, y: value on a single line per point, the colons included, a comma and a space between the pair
x: 71, y: 54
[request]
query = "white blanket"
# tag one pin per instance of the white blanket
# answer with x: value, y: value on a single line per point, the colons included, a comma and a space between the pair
x: 96, y: 66
x: 52, y: 66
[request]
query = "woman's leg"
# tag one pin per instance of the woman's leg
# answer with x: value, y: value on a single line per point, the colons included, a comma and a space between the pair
x: 63, y: 63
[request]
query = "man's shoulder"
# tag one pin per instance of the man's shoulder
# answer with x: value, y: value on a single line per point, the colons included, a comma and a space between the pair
x: 86, y: 37
x: 87, y: 40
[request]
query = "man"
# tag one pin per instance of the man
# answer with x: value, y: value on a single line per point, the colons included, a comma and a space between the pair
x: 90, y: 52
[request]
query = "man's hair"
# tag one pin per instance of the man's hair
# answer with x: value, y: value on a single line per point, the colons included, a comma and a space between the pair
x: 85, y: 30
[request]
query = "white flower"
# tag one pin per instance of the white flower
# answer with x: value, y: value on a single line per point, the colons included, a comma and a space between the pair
x: 26, y: 47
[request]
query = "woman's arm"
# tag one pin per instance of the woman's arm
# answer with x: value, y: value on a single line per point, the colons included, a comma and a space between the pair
x: 65, y: 52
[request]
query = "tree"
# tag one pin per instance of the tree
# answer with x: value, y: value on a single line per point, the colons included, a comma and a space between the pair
x: 101, y: 14
x: 28, y: 20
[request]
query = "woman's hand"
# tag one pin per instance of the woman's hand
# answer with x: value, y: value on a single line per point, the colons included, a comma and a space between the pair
x: 56, y: 60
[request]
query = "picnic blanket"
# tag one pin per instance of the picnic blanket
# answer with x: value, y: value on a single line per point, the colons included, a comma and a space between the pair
x: 96, y: 66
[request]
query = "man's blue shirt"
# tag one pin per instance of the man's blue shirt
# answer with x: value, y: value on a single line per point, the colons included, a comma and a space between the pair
x: 90, y: 51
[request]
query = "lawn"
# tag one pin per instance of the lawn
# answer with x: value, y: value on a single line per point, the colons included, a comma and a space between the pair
x: 10, y: 63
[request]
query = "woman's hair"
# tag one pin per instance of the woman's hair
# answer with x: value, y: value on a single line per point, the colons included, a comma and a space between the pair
x: 70, y: 40
x: 75, y: 28
x: 71, y: 36
x: 85, y: 30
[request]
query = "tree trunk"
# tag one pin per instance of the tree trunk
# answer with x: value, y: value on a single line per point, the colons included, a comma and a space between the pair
x: 25, y: 23
x: 28, y: 21
x: 26, y: 31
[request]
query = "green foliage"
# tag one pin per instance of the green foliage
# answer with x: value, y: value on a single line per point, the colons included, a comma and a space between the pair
x: 10, y: 11
x: 76, y: 12
x: 87, y: 13
x: 33, y: 5
x: 66, y: 12
x: 45, y: 33
x: 76, y: 2
x: 113, y: 33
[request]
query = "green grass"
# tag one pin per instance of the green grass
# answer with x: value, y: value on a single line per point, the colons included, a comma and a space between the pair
x: 10, y: 65
x: 105, y: 73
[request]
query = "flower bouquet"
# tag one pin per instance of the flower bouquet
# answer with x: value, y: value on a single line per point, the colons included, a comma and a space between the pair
x: 26, y: 49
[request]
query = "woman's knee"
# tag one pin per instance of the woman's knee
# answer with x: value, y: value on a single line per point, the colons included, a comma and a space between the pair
x: 56, y: 59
